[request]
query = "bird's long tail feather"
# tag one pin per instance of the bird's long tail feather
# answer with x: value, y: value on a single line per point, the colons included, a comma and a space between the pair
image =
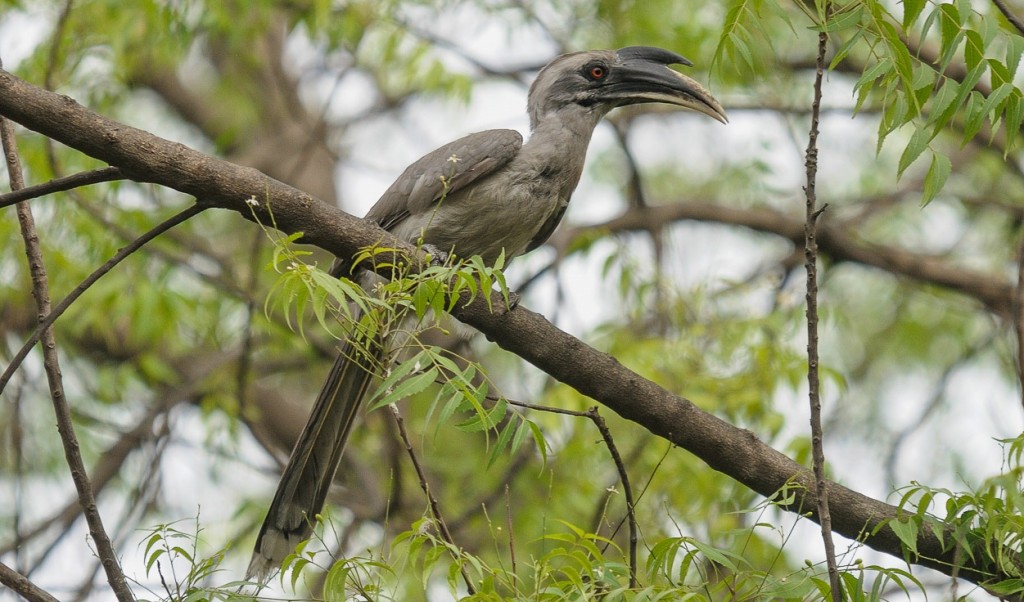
x: 314, y: 461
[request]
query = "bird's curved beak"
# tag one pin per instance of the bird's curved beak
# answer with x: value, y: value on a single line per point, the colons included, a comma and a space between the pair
x: 643, y: 75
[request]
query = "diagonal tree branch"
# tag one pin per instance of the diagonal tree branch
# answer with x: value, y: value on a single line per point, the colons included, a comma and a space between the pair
x: 104, y: 174
x: 731, y: 450
x: 1014, y: 20
x: 22, y: 586
x: 837, y: 240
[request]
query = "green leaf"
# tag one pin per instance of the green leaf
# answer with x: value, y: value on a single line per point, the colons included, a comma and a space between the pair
x: 866, y: 81
x: 454, y: 402
x: 951, y: 33
x: 1014, y: 47
x: 486, y: 420
x: 929, y: 21
x: 935, y: 179
x: 408, y: 387
x: 911, y: 10
x: 1006, y: 587
x: 906, y: 532
x: 296, y: 568
x: 844, y: 19
x: 152, y: 559
x: 183, y: 553
x: 998, y: 72
x: 974, y: 116
x: 425, y: 296
x: 993, y: 106
x: 397, y: 372
x: 899, y: 52
x: 966, y: 86
x: 721, y: 556
x: 520, y: 434
x: 918, y: 142
x: 152, y: 541
x: 1013, y: 115
x: 504, y: 437
x: 334, y: 584
x: 539, y: 441
x: 974, y: 50
x: 851, y: 42
x: 737, y: 45
x: 943, y: 106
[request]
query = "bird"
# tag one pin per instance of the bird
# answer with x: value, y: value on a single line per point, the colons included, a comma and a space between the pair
x: 487, y: 194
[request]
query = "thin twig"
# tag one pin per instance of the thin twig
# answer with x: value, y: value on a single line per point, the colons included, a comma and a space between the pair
x: 634, y: 186
x: 511, y: 532
x: 1018, y: 317
x: 602, y: 426
x: 620, y: 466
x: 51, y: 364
x: 121, y: 255
x: 1012, y: 18
x: 811, y: 257
x: 435, y: 507
x: 76, y: 180
x: 18, y: 451
x: 243, y: 373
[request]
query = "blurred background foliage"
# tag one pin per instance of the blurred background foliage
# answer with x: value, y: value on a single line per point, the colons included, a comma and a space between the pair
x: 681, y: 256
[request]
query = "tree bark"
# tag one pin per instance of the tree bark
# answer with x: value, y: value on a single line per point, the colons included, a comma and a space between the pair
x: 733, y: 451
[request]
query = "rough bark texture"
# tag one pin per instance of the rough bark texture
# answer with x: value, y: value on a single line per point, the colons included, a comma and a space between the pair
x: 724, y: 447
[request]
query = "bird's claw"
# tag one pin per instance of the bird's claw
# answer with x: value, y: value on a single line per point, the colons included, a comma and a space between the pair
x: 513, y: 300
x: 437, y: 256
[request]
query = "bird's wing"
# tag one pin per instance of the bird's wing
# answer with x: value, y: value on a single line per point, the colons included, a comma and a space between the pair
x: 547, y: 228
x: 443, y: 172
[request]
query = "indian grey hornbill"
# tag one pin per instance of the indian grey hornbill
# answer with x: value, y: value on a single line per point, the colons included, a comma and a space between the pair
x: 480, y: 195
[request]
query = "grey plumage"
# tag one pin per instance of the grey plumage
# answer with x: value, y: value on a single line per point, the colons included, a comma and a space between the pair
x: 483, y: 194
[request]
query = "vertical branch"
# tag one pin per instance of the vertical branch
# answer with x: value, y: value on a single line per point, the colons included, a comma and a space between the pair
x: 511, y: 531
x: 1018, y: 317
x: 17, y: 450
x: 620, y: 467
x: 72, y: 454
x: 248, y: 343
x: 811, y: 257
x: 435, y: 508
x: 627, y: 490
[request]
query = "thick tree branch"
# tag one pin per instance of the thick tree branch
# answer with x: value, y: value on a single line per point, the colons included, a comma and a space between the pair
x: 734, y: 451
x: 22, y: 586
x: 834, y: 239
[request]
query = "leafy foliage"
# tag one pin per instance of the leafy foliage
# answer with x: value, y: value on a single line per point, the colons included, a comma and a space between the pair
x: 985, y: 523
x: 936, y: 82
x: 173, y: 554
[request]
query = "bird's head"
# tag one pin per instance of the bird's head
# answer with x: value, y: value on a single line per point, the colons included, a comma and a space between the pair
x: 600, y: 80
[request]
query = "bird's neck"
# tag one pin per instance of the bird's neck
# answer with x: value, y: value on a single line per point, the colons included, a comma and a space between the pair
x: 559, y: 139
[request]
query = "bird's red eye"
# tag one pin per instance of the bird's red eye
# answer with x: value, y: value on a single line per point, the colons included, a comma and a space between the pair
x: 598, y: 72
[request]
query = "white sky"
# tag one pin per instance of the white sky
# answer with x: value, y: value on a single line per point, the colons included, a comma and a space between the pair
x: 381, y: 148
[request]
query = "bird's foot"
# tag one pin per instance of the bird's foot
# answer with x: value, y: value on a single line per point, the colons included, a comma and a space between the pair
x: 436, y: 255
x: 513, y: 300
